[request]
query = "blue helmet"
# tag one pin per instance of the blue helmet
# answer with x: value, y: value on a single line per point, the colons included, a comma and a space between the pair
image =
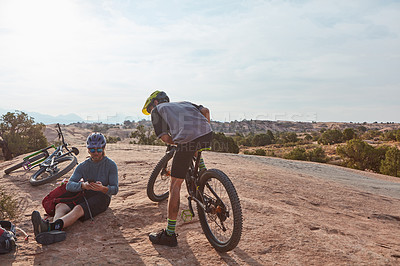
x: 96, y: 140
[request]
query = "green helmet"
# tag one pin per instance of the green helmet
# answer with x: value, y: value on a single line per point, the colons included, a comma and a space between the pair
x: 160, y: 96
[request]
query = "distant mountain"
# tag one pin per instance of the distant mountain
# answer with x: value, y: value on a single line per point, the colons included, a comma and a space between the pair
x: 49, y: 119
x: 62, y: 119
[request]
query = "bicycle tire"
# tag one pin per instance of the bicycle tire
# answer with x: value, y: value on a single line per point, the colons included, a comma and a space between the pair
x: 33, y: 159
x: 157, y: 177
x: 219, y: 180
x: 37, y: 179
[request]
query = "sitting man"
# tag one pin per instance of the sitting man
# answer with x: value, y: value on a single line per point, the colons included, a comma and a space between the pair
x: 100, y: 181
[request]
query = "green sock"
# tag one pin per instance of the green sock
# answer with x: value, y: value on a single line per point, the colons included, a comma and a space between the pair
x: 202, y: 165
x: 171, y: 227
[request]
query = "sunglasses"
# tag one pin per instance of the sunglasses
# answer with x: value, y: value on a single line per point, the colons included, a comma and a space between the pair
x: 94, y: 150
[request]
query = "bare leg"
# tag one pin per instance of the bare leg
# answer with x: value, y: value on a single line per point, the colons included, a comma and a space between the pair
x: 68, y: 216
x: 174, y: 197
x: 61, y: 210
x: 71, y: 217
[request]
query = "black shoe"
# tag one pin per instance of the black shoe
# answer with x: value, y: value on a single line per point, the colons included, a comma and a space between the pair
x: 162, y: 238
x: 47, y: 238
x: 39, y: 225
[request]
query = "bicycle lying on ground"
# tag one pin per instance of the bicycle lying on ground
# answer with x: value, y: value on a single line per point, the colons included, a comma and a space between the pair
x: 51, y: 166
x: 218, y: 204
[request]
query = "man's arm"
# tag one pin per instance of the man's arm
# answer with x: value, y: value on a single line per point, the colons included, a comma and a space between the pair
x: 167, y: 139
x: 113, y: 179
x: 74, y: 184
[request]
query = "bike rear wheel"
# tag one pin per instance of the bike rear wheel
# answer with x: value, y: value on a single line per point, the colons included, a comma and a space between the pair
x: 47, y: 174
x: 33, y: 159
x: 221, y: 219
x: 159, y: 181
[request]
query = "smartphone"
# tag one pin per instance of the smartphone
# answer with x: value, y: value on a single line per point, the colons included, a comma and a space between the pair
x: 91, y: 180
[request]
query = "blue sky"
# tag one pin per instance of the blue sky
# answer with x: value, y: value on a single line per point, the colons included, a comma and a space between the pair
x: 276, y: 60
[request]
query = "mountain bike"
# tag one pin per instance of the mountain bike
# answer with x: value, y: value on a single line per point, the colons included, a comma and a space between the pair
x: 51, y: 166
x: 218, y: 204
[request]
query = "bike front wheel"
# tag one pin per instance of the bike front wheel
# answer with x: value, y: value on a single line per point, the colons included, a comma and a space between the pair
x: 159, y: 181
x: 47, y: 174
x: 221, y: 218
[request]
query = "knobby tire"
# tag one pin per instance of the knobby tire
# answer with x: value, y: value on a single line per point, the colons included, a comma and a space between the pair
x: 235, y: 211
x: 36, y: 180
x: 33, y: 159
x: 156, y: 174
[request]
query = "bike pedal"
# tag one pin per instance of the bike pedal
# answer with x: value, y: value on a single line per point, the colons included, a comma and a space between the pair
x: 186, y: 215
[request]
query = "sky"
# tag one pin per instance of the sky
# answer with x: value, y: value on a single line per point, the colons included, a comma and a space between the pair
x: 315, y: 60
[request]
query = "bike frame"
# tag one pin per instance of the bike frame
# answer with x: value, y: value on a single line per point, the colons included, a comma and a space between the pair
x: 48, y: 160
x: 28, y: 165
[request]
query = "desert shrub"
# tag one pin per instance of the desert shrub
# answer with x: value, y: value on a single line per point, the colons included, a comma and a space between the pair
x: 297, y: 154
x: 391, y: 164
x: 21, y: 134
x: 287, y: 137
x: 331, y: 136
x: 111, y: 139
x: 317, y: 155
x: 8, y: 206
x: 260, y: 152
x: 145, y: 136
x: 102, y: 128
x: 261, y: 140
x: 391, y: 135
x: 349, y: 134
x: 371, y: 134
x: 222, y: 143
x: 308, y: 137
x: 300, y: 153
x: 360, y: 155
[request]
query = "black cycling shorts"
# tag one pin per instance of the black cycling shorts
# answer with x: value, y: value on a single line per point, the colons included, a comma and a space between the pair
x: 185, y: 152
x: 98, y: 203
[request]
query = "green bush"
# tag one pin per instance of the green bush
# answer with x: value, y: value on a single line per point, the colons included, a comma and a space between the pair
x: 261, y: 140
x: 317, y: 155
x: 371, y: 134
x: 260, y: 152
x: 360, y: 155
x: 297, y: 154
x: 349, y: 134
x: 222, y: 143
x: 145, y: 136
x: 391, y: 164
x: 331, y: 136
x: 21, y: 134
x: 111, y: 139
x: 392, y: 135
x: 287, y: 137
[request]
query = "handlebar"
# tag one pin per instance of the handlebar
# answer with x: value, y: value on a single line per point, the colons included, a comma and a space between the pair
x: 60, y: 135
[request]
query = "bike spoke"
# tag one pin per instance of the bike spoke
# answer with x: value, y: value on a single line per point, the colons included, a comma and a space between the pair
x: 218, y: 207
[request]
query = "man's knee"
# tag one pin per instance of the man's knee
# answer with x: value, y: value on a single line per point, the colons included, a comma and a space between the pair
x: 176, y: 182
x: 62, y: 207
x: 78, y: 208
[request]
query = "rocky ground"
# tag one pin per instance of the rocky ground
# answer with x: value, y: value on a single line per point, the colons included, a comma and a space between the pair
x: 295, y: 213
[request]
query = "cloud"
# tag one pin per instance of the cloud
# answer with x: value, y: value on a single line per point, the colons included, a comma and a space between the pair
x: 239, y: 57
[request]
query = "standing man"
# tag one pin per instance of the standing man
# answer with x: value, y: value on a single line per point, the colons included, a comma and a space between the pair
x: 186, y: 125
x: 97, y: 177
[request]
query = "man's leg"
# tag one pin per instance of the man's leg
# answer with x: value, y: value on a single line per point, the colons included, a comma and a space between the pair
x: 61, y: 210
x: 174, y: 197
x: 72, y: 216
x: 168, y: 237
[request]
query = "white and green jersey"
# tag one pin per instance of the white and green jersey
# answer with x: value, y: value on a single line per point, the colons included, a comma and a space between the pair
x: 182, y: 120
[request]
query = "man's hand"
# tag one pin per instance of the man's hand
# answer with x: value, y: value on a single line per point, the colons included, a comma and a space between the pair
x: 95, y: 186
